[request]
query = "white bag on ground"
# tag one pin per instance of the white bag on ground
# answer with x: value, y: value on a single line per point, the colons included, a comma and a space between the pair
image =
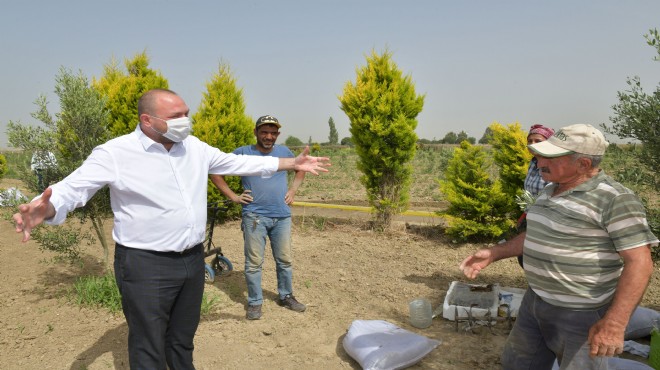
x: 380, y: 345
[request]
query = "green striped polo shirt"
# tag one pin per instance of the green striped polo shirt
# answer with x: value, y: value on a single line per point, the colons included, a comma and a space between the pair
x: 570, y: 250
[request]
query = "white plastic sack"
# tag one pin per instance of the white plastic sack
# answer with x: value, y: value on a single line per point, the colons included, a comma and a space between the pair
x: 380, y: 345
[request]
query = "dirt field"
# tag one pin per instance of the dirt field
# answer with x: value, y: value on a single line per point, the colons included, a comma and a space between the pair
x: 342, y: 271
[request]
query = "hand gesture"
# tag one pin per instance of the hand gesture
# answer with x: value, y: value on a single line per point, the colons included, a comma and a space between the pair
x: 306, y: 163
x: 472, y: 265
x: 34, y: 213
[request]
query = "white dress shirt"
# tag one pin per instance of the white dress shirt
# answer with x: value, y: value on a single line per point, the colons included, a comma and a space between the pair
x: 158, y: 197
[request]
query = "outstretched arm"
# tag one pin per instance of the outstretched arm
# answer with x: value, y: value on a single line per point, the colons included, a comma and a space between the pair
x: 472, y: 265
x: 34, y: 213
x: 221, y: 184
x: 305, y: 163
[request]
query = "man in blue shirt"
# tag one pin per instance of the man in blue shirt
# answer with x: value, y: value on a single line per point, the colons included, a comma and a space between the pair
x: 266, y: 215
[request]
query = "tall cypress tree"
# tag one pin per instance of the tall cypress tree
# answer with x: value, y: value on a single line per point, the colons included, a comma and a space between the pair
x: 221, y: 121
x: 333, y: 138
x: 512, y: 158
x: 382, y: 106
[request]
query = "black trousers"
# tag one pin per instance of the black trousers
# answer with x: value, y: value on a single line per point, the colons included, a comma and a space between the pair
x: 161, y: 295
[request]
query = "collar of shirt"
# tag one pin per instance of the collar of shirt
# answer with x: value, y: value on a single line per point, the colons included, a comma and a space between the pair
x: 149, y: 144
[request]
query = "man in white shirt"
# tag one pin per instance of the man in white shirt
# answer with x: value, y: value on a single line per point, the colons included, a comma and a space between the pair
x: 157, y: 176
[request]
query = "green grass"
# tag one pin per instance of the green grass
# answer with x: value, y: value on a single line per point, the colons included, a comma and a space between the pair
x: 97, y: 291
x: 315, y: 222
x: 208, y: 302
x: 102, y: 291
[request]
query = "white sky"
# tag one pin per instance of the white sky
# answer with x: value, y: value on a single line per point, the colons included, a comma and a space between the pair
x: 550, y: 62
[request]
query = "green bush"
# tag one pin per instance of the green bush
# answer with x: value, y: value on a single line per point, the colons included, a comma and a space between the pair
x: 18, y: 162
x: 3, y: 166
x: 512, y: 158
x: 382, y: 107
x: 477, y: 204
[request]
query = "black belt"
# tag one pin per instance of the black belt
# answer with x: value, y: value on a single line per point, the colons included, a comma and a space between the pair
x: 184, y: 252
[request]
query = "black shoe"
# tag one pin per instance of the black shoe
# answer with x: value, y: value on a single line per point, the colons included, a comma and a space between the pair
x: 291, y: 303
x: 253, y: 312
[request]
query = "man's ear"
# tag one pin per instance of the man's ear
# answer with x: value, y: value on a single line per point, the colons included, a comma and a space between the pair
x: 144, y: 118
x: 585, y: 163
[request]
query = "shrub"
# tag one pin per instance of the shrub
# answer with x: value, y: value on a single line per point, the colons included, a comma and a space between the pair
x: 477, y: 205
x: 3, y: 166
x: 382, y: 107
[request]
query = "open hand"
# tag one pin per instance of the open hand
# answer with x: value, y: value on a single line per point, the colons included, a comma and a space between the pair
x: 34, y: 213
x: 307, y: 163
x: 472, y: 265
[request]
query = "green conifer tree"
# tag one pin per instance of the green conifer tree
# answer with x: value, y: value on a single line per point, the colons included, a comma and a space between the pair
x: 3, y: 166
x: 475, y: 201
x: 122, y: 90
x: 512, y: 158
x: 382, y: 106
x: 221, y: 122
x: 333, y: 137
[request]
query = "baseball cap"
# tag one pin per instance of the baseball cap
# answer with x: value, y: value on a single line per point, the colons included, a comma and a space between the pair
x: 579, y: 138
x: 268, y: 120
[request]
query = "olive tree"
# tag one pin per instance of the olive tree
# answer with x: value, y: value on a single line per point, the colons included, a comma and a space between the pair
x: 637, y: 116
x: 382, y: 107
x: 71, y: 135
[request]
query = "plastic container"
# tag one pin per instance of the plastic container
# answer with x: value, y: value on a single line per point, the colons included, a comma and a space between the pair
x: 421, y: 313
x: 462, y: 298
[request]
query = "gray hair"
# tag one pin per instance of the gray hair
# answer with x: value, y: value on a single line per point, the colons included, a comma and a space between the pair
x: 595, y: 159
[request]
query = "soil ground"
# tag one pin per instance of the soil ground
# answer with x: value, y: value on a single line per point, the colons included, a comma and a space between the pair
x: 343, y: 271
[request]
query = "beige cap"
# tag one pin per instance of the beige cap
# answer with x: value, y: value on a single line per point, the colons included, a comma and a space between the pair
x: 579, y: 138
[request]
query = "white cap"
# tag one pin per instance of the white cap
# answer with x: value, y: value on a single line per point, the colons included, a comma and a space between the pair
x: 579, y: 138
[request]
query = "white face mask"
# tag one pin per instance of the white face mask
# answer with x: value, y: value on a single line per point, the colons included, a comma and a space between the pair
x: 177, y: 128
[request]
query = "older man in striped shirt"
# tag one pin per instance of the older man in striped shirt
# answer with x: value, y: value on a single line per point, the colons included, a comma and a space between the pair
x: 587, y: 259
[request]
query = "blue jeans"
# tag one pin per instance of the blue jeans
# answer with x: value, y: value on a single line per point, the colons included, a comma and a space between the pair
x: 256, y: 230
x: 641, y: 323
x: 543, y: 332
x: 639, y: 326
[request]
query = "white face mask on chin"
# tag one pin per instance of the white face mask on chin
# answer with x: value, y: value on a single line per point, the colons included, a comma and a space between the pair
x: 177, y: 128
